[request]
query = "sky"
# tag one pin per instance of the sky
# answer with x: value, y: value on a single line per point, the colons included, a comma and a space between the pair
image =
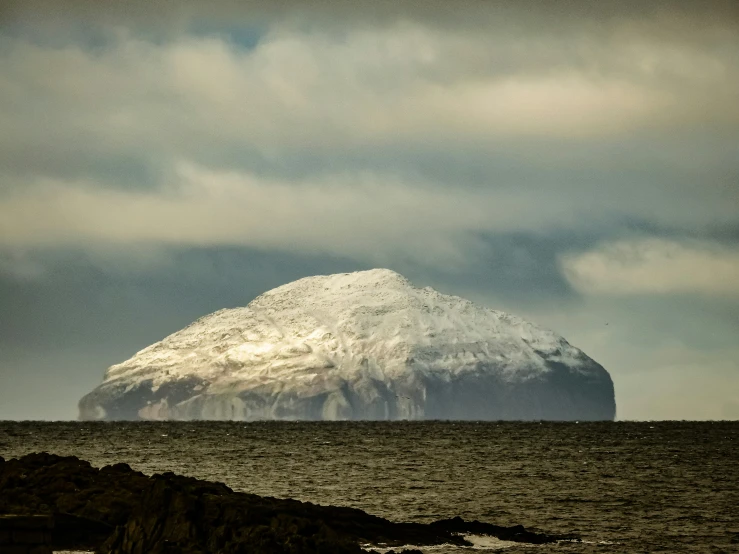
x: 575, y: 163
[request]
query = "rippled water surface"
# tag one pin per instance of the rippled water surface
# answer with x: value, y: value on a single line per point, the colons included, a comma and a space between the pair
x: 624, y: 487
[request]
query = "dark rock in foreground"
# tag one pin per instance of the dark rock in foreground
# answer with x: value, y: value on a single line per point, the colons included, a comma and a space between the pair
x: 117, y: 510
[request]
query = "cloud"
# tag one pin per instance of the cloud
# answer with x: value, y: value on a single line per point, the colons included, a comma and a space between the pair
x: 290, y: 143
x: 164, y: 159
x: 469, y: 13
x: 655, y: 266
x: 358, y: 216
x: 404, y: 84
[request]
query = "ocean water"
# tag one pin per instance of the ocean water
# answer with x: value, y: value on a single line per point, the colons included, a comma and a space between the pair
x: 623, y: 487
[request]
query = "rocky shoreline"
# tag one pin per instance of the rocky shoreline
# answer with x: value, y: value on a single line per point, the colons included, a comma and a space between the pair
x: 117, y: 510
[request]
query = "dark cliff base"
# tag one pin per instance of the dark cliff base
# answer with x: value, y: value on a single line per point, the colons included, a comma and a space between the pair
x: 117, y: 510
x: 559, y: 395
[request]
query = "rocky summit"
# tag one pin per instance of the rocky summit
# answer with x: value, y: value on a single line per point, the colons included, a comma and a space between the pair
x: 364, y: 345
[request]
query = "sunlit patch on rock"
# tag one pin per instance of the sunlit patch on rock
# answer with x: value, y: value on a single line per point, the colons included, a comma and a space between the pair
x: 365, y: 345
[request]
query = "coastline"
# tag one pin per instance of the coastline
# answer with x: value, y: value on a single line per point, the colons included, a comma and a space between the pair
x: 121, y: 511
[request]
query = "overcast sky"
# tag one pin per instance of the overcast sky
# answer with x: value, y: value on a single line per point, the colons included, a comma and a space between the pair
x: 576, y: 165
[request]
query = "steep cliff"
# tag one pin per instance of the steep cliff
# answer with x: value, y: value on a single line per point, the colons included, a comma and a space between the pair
x: 365, y: 345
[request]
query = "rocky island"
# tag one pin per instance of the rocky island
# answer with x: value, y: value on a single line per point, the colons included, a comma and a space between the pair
x: 356, y: 346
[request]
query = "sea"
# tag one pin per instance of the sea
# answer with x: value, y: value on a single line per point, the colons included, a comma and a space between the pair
x: 620, y: 486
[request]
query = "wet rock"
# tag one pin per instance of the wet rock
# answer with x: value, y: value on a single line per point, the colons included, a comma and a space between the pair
x: 25, y: 534
x: 516, y: 533
x: 120, y: 511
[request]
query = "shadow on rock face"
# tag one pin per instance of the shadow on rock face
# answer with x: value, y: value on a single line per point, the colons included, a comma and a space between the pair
x: 356, y: 346
x: 117, y: 510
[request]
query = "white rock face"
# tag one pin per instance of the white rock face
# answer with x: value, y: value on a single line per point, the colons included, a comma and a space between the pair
x: 365, y: 345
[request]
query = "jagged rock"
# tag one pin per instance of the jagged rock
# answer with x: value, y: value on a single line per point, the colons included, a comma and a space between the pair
x: 121, y: 511
x: 365, y: 345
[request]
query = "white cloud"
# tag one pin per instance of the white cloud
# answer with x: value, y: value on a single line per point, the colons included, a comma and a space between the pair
x: 655, y: 266
x: 300, y: 92
x: 404, y: 83
x: 402, y: 87
x: 364, y: 216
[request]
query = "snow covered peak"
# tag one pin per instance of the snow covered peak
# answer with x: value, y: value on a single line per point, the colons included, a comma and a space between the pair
x: 375, y: 285
x: 384, y: 304
x: 379, y: 278
x: 370, y: 334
